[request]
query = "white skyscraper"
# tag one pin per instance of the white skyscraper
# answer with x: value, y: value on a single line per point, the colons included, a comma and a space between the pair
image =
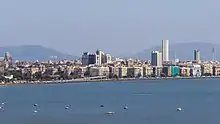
x: 108, y: 58
x: 165, y: 50
x: 100, y: 57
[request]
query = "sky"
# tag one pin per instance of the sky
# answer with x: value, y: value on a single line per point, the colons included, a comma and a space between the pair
x: 119, y: 27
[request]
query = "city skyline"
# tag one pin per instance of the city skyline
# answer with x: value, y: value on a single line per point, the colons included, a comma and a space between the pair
x: 176, y: 51
x: 138, y: 25
x: 109, y: 61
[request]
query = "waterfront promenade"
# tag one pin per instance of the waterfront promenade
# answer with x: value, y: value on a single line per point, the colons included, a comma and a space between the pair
x: 84, y: 80
x: 72, y: 71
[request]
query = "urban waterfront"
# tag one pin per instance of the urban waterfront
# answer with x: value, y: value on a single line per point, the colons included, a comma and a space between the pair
x: 151, y: 101
x: 99, y: 65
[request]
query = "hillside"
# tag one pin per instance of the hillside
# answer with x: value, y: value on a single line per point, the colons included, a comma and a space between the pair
x: 33, y: 52
x: 184, y: 51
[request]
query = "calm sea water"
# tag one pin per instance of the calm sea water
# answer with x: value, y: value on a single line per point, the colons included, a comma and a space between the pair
x: 149, y: 102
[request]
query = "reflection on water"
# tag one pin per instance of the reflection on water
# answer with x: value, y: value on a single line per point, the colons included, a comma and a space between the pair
x: 143, y: 93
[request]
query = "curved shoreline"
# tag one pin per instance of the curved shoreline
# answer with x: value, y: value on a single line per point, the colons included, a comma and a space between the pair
x: 104, y: 80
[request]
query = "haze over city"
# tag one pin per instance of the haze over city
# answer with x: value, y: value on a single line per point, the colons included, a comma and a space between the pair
x: 73, y: 26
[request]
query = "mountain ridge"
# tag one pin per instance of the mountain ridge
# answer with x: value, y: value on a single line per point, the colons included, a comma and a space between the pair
x: 34, y: 52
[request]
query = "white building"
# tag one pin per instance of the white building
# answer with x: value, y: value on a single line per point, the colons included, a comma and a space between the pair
x: 195, y: 70
x: 108, y: 58
x: 100, y: 57
x: 165, y: 50
x: 123, y: 72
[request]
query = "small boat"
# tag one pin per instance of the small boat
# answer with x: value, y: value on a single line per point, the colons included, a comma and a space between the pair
x: 67, y: 107
x: 179, y: 109
x: 110, y: 113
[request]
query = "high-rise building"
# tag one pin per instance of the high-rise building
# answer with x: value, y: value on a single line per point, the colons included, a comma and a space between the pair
x: 100, y: 57
x: 108, y: 58
x: 88, y: 59
x: 165, y: 50
x: 85, y: 58
x: 7, y: 56
x: 213, y: 54
x: 196, y: 55
x: 156, y: 58
x: 92, y: 59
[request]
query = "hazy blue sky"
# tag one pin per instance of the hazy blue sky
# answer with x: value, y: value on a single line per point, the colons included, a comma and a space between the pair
x: 116, y: 26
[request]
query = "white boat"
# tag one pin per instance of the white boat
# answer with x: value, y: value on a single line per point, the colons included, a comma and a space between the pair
x: 110, y: 113
x: 179, y: 109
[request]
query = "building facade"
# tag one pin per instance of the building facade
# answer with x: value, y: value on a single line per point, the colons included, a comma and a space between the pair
x: 108, y: 58
x: 156, y: 58
x: 196, y: 55
x: 88, y: 59
x: 165, y: 50
x: 100, y: 57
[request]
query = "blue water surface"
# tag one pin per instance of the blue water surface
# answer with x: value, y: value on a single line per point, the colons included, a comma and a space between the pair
x: 148, y: 102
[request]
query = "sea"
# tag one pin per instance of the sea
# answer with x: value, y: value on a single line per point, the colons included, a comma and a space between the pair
x: 134, y: 102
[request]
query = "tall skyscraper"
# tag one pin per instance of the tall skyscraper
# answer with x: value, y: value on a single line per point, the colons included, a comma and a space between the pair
x: 213, y: 54
x: 108, y: 58
x: 156, y: 58
x: 196, y: 55
x: 165, y: 50
x: 100, y: 57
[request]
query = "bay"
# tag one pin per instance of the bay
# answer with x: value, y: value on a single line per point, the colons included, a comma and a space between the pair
x: 148, y: 102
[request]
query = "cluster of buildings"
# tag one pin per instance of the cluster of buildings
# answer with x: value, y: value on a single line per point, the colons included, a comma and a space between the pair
x: 101, y: 65
x: 98, y: 59
x: 169, y: 68
x: 159, y: 59
x: 158, y: 66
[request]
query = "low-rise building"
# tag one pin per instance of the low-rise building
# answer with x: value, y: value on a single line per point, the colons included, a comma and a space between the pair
x: 51, y: 71
x: 2, y: 67
x: 216, y: 70
x: 99, y: 71
x: 123, y: 72
x: 195, y: 70
x: 134, y: 72
x: 184, y: 71
x: 34, y: 70
x: 114, y: 72
x: 175, y: 71
x: 167, y: 71
x: 207, y: 69
x: 147, y: 71
x: 157, y: 71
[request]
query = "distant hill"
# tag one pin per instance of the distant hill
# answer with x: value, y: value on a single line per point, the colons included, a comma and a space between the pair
x: 184, y: 51
x: 33, y: 52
